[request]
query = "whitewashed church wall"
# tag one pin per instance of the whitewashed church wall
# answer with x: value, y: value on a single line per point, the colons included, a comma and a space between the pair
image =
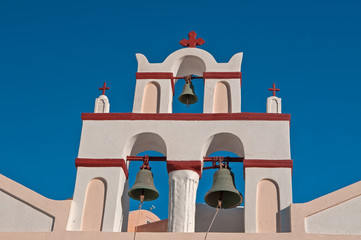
x: 283, y: 178
x: 18, y: 216
x: 227, y: 220
x: 184, y: 140
x: 344, y: 218
x: 113, y: 214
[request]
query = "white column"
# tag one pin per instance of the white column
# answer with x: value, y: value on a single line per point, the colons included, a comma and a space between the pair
x: 183, y: 186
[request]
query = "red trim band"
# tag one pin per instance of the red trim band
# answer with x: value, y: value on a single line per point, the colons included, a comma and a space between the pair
x: 187, y: 116
x: 185, y: 165
x: 261, y: 163
x: 223, y: 75
x: 154, y: 75
x: 106, y: 162
x: 169, y: 75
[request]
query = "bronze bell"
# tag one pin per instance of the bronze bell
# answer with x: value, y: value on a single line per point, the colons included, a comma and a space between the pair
x: 223, y: 189
x: 144, y: 185
x: 188, y: 95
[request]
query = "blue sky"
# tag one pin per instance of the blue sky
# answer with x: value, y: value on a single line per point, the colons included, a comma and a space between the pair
x: 54, y: 55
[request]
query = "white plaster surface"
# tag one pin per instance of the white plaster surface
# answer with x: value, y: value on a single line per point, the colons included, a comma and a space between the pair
x: 283, y: 178
x: 113, y: 211
x: 102, y: 104
x: 344, y: 218
x: 274, y: 105
x: 18, y: 216
x: 183, y: 186
x: 185, y: 140
x: 227, y: 220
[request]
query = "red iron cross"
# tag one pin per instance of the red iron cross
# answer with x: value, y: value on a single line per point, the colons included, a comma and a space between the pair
x: 104, y: 88
x: 274, y: 89
x: 192, y: 41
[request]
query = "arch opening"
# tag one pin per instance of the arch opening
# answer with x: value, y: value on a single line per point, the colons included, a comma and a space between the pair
x: 150, y: 144
x: 223, y: 142
x: 142, y: 142
x: 189, y: 65
x: 234, y: 216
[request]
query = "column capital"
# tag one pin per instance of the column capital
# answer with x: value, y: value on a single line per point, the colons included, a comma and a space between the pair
x: 185, y: 165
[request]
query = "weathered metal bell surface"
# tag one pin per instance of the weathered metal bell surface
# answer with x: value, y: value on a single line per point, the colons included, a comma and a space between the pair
x: 223, y: 187
x: 188, y: 95
x: 144, y: 184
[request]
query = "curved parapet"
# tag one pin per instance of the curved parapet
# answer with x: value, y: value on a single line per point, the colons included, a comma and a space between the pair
x: 174, y: 61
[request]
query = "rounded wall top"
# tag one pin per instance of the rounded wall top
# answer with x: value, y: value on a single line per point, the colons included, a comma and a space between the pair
x: 174, y: 61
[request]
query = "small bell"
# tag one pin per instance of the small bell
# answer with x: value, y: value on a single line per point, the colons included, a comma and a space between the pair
x: 144, y: 186
x: 188, y: 95
x: 223, y: 189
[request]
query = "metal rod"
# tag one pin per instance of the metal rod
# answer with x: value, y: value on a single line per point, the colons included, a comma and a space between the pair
x: 151, y: 159
x: 226, y: 159
x: 201, y: 77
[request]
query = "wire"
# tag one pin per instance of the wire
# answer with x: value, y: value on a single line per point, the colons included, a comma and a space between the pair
x: 214, y: 217
x: 140, y: 206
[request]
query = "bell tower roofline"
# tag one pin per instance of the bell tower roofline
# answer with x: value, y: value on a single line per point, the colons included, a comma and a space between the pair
x: 173, y: 62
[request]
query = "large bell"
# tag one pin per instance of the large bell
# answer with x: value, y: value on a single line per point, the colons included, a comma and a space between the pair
x: 144, y: 185
x: 188, y: 95
x: 223, y: 189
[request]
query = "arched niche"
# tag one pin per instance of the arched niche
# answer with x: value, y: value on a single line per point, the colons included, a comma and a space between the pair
x: 223, y: 142
x: 267, y: 207
x: 222, y: 98
x: 151, y: 98
x: 94, y: 203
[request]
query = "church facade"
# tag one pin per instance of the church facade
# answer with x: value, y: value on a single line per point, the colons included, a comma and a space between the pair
x: 99, y: 208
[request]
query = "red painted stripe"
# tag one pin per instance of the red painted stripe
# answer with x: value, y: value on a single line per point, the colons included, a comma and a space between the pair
x: 223, y: 75
x: 106, y: 162
x: 187, y: 116
x: 185, y: 165
x: 140, y: 158
x: 154, y: 75
x: 261, y: 163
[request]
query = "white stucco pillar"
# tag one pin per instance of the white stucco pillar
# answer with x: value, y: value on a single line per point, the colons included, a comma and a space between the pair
x: 274, y: 105
x: 102, y: 104
x: 183, y: 186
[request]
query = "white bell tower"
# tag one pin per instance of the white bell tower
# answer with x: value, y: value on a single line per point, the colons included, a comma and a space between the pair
x: 260, y: 140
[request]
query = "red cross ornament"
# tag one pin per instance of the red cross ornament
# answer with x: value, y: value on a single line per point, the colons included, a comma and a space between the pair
x: 104, y: 88
x: 274, y: 89
x: 192, y: 41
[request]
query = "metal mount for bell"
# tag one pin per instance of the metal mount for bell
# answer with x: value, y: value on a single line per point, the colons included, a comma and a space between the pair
x: 223, y: 188
x: 143, y: 188
x: 188, y: 95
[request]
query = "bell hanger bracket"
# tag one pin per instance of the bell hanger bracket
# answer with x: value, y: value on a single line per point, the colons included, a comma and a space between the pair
x: 223, y: 162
